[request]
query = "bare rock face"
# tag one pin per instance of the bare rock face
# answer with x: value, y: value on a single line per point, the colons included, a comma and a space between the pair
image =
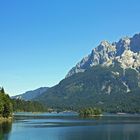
x: 135, y: 43
x: 126, y: 51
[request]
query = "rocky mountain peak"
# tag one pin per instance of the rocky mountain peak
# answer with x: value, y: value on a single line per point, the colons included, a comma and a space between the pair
x: 135, y: 43
x: 126, y: 51
x: 105, y: 43
x: 122, y: 45
x: 105, y: 46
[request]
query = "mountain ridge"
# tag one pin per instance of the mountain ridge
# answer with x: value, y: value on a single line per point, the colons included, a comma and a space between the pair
x: 30, y: 95
x: 107, y: 53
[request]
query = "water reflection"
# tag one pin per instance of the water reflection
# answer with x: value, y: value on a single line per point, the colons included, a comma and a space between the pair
x: 48, y: 127
x: 5, y: 128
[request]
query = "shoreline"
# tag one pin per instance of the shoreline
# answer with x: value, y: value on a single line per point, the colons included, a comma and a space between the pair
x: 9, y: 119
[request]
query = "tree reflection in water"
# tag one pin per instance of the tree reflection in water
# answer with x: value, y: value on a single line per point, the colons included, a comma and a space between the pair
x: 5, y: 128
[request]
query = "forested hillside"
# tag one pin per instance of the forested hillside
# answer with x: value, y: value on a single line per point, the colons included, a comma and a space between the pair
x: 110, y: 88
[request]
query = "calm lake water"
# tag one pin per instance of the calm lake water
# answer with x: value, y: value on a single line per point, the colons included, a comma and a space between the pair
x: 67, y: 126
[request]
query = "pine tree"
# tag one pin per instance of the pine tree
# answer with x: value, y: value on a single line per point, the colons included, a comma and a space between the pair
x: 2, y: 90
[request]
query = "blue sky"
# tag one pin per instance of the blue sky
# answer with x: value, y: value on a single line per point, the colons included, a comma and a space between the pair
x: 41, y: 40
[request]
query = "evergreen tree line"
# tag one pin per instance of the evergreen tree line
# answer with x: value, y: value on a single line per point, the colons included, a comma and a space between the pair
x: 8, y: 105
x: 27, y: 106
x: 87, y: 112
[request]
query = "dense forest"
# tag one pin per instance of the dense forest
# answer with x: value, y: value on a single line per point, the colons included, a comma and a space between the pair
x: 27, y: 106
x: 8, y: 105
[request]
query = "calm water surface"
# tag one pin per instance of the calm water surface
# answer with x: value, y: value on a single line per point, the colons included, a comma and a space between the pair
x: 68, y: 126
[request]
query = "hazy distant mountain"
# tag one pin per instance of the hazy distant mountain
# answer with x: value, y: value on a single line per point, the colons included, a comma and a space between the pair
x: 30, y: 95
x: 109, y: 78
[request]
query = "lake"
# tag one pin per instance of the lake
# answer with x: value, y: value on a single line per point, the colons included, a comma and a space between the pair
x: 68, y: 126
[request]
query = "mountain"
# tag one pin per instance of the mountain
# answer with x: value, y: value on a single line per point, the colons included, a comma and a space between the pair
x: 108, y: 78
x: 30, y: 95
x: 126, y: 51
